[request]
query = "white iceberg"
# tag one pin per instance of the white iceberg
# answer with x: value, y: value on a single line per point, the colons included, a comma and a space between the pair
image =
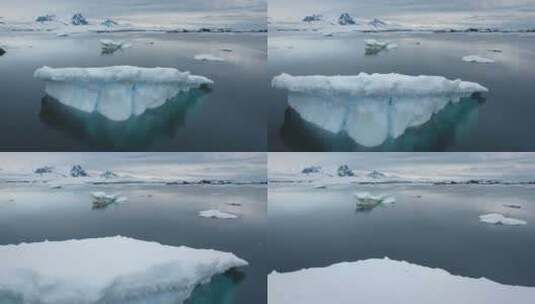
x: 207, y: 57
x: 214, y: 213
x: 102, y: 199
x: 367, y: 201
x: 500, y: 219
x: 107, y: 270
x: 371, y: 108
x: 117, y: 92
x: 110, y: 46
x: 385, y: 281
x: 477, y: 59
x: 374, y: 46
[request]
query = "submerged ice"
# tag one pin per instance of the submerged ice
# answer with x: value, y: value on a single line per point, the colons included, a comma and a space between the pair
x: 117, y: 92
x: 107, y: 270
x: 371, y: 108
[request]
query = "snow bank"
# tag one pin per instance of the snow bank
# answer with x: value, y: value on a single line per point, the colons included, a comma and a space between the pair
x: 214, y: 213
x: 499, y: 219
x: 207, y: 57
x: 384, y: 281
x: 477, y: 59
x: 106, y: 270
x: 117, y: 92
x: 370, y: 108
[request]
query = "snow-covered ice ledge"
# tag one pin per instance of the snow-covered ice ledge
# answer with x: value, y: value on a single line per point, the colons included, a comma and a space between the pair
x: 385, y: 281
x: 106, y: 270
x: 117, y: 92
x: 371, y: 108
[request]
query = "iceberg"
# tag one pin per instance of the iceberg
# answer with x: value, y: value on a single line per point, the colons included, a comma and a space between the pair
x: 477, y: 59
x: 344, y: 171
x: 216, y: 214
x: 108, y: 174
x: 110, y: 46
x: 405, y: 283
x: 43, y: 170
x: 368, y: 201
x: 311, y: 169
x: 371, y: 108
x: 207, y: 57
x: 102, y: 199
x: 107, y: 270
x: 2, y: 51
x: 117, y: 92
x: 500, y: 219
x: 109, y: 23
x: 376, y: 174
x: 45, y: 18
x: 374, y: 46
x: 377, y: 23
x: 312, y: 18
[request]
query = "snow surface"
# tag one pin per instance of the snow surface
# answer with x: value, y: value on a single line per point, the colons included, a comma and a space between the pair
x: 477, y: 59
x: 106, y: 270
x: 500, y: 219
x: 371, y: 108
x: 117, y: 92
x: 207, y: 57
x: 384, y: 281
x: 214, y: 213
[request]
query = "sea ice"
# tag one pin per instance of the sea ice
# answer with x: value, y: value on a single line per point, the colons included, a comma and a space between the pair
x: 477, y: 59
x: 371, y: 108
x: 117, y: 92
x: 500, y: 219
x: 106, y: 270
x: 207, y: 57
x: 384, y: 281
x: 214, y: 213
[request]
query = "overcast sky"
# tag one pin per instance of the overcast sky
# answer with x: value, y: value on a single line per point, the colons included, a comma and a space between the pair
x: 413, y: 11
x: 152, y: 11
x: 508, y: 166
x: 236, y: 166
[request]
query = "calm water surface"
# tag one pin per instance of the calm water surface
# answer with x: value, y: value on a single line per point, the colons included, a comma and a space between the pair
x: 230, y: 117
x: 165, y: 214
x: 319, y: 227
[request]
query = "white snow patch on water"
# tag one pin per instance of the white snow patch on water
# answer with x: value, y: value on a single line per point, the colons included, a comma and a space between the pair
x: 477, y: 59
x: 106, y: 270
x: 500, y: 219
x: 117, y: 92
x: 207, y: 57
x: 214, y: 213
x: 383, y: 281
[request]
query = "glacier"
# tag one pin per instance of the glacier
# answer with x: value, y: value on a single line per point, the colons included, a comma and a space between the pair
x: 107, y: 270
x: 372, y: 108
x: 117, y: 92
x: 388, y: 281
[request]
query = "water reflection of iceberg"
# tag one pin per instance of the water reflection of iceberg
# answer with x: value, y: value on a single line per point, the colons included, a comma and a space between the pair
x: 375, y: 110
x: 138, y: 132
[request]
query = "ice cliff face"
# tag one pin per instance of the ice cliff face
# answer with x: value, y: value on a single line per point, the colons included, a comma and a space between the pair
x: 371, y: 108
x: 118, y: 92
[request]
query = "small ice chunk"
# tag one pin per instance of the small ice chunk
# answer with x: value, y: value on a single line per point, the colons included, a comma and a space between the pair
x: 107, y: 270
x: 233, y: 204
x: 513, y: 206
x: 500, y: 219
x: 62, y: 34
x: 117, y: 92
x: 207, y: 57
x: 384, y: 281
x: 102, y: 199
x: 227, y: 50
x: 79, y: 19
x: 374, y: 46
x: 78, y: 171
x: 477, y: 59
x: 2, y: 51
x: 111, y: 46
x: 214, y: 213
x: 367, y: 201
x: 55, y: 186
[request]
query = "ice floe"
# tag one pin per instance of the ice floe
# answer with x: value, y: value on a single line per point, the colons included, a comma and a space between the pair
x: 477, y: 59
x: 500, y: 219
x: 367, y: 201
x: 207, y: 57
x: 214, y: 213
x: 384, y: 281
x: 371, y: 108
x: 107, y: 270
x: 117, y: 92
